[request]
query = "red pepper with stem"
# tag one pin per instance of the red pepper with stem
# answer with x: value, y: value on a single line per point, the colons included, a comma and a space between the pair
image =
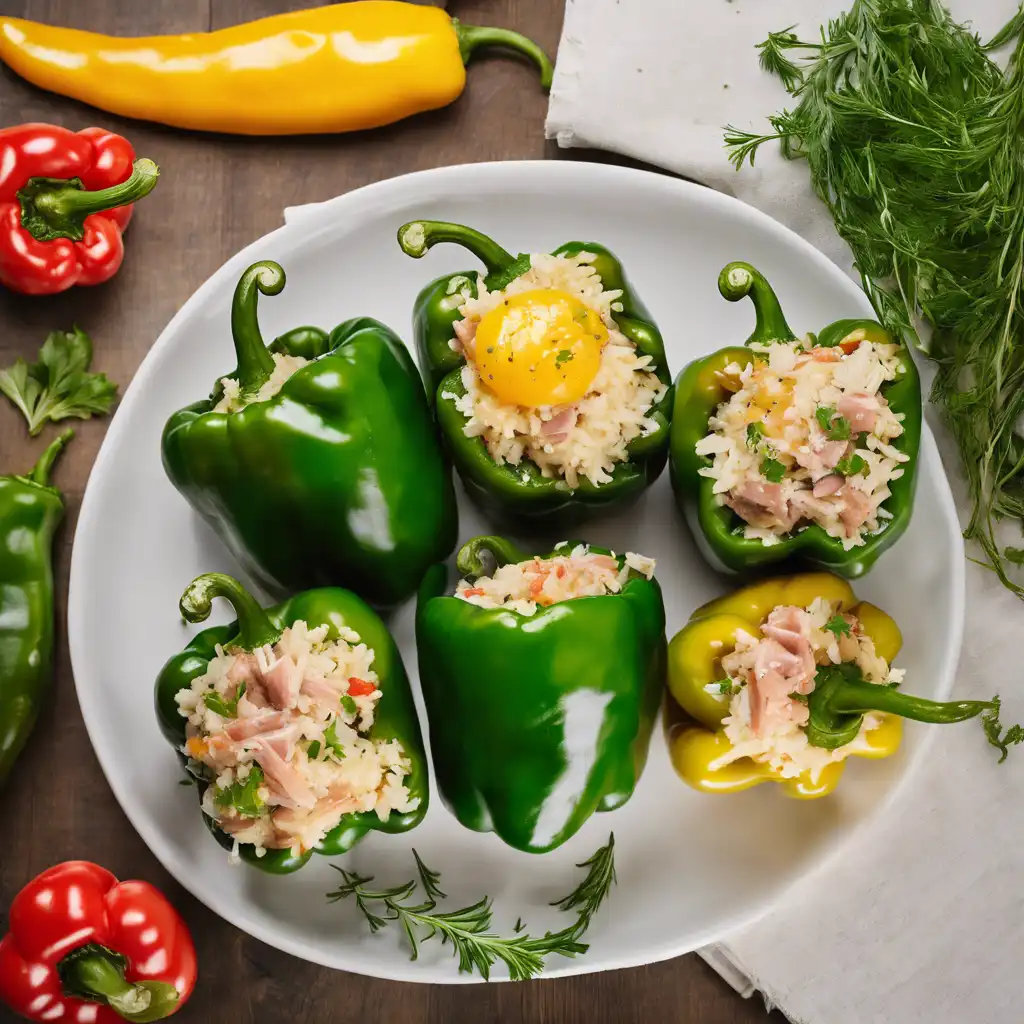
x: 84, y: 948
x: 65, y: 199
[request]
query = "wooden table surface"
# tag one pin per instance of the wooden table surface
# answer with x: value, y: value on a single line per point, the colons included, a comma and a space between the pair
x: 216, y: 195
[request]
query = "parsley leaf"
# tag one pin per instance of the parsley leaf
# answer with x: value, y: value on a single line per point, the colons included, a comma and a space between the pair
x: 221, y: 705
x: 1015, y: 556
x: 994, y: 733
x: 59, y: 385
x: 349, y: 705
x: 852, y: 465
x: 244, y: 796
x: 772, y: 470
x: 755, y: 431
x: 838, y: 626
x: 836, y: 427
x: 725, y: 686
x: 562, y: 357
x: 332, y: 742
x: 313, y: 750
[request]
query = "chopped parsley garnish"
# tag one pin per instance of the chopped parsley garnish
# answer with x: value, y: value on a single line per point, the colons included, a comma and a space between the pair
x: 836, y: 427
x: 313, y: 750
x: 562, y: 357
x: 838, y: 626
x: 755, y: 432
x: 244, y: 796
x: 332, y: 742
x: 852, y: 465
x: 222, y: 706
x: 725, y: 686
x: 772, y: 470
x: 349, y: 705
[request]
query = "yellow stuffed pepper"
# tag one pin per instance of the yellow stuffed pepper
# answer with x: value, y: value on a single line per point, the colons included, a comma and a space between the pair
x: 786, y: 679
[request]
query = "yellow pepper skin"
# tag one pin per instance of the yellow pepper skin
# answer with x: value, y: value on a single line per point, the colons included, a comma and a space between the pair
x: 694, y: 660
x: 338, y: 68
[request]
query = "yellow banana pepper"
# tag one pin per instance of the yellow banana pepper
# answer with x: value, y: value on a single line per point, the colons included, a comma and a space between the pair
x: 337, y: 68
x: 695, y: 661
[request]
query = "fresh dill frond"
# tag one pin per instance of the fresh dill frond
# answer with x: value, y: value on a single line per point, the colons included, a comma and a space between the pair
x: 911, y: 133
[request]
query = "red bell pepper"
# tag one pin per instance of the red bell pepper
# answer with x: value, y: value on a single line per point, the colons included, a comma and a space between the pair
x: 84, y: 948
x: 65, y: 200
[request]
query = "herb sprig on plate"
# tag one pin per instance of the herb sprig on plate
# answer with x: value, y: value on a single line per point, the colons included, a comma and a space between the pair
x: 468, y: 929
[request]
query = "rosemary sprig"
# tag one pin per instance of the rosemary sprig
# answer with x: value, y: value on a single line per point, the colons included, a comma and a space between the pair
x: 912, y: 138
x: 468, y: 929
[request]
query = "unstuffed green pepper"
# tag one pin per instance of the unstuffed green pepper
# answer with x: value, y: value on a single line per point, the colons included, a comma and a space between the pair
x: 541, y: 682
x: 31, y: 509
x: 785, y: 680
x: 550, y: 382
x: 796, y: 448
x: 296, y: 723
x: 316, y: 460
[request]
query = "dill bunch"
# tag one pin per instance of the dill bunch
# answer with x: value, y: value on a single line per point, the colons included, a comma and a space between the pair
x: 913, y: 138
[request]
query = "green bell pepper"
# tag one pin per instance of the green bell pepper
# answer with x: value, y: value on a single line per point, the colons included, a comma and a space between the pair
x: 30, y: 512
x: 395, y: 714
x: 521, y: 495
x: 699, y: 391
x: 538, y: 721
x: 335, y: 480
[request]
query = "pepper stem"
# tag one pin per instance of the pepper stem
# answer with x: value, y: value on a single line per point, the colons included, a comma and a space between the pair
x: 255, y: 363
x: 254, y: 626
x: 96, y: 973
x: 57, y: 207
x: 40, y: 473
x: 738, y: 280
x: 417, y: 238
x: 472, y: 37
x: 471, y: 557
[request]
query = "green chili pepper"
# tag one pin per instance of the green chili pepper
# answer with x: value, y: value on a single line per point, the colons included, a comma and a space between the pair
x: 395, y: 714
x: 538, y: 721
x: 841, y: 696
x: 338, y: 478
x: 30, y: 512
x: 700, y: 390
x: 521, y: 495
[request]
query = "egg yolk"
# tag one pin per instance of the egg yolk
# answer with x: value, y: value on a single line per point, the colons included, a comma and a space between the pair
x: 541, y: 347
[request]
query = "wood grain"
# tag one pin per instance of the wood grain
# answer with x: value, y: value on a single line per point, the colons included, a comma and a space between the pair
x: 216, y: 195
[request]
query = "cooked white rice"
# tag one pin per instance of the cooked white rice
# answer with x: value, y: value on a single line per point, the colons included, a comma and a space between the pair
x: 781, y: 741
x: 232, y: 399
x: 781, y: 390
x: 539, y: 582
x: 298, y: 722
x: 614, y: 411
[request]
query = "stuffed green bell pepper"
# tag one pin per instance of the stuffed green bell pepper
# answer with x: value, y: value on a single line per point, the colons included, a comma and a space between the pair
x: 316, y: 460
x: 296, y: 722
x: 790, y: 447
x: 550, y: 382
x: 542, y: 682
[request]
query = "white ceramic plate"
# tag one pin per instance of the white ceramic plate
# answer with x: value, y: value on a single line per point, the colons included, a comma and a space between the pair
x: 690, y: 867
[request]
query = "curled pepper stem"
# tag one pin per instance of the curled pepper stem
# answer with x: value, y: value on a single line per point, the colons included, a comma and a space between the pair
x: 417, y: 238
x: 472, y: 37
x: 96, y: 973
x: 739, y: 280
x: 470, y: 560
x: 40, y: 473
x: 255, y: 363
x: 56, y: 207
x: 254, y: 626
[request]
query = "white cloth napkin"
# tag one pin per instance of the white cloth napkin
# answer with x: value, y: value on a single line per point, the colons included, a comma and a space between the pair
x: 921, y: 918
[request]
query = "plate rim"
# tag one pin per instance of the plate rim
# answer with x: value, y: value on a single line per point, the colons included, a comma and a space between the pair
x: 372, y: 194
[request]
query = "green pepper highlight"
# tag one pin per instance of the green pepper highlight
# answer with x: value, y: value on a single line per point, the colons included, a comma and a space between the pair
x: 520, y: 496
x: 395, y: 716
x: 538, y: 721
x: 338, y: 479
x: 699, y: 390
x: 30, y: 512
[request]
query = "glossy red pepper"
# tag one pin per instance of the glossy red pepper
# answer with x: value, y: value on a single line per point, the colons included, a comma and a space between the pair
x: 84, y: 948
x: 65, y: 200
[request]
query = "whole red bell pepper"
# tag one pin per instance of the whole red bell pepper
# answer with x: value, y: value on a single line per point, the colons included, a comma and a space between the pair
x: 65, y: 200
x: 84, y: 948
